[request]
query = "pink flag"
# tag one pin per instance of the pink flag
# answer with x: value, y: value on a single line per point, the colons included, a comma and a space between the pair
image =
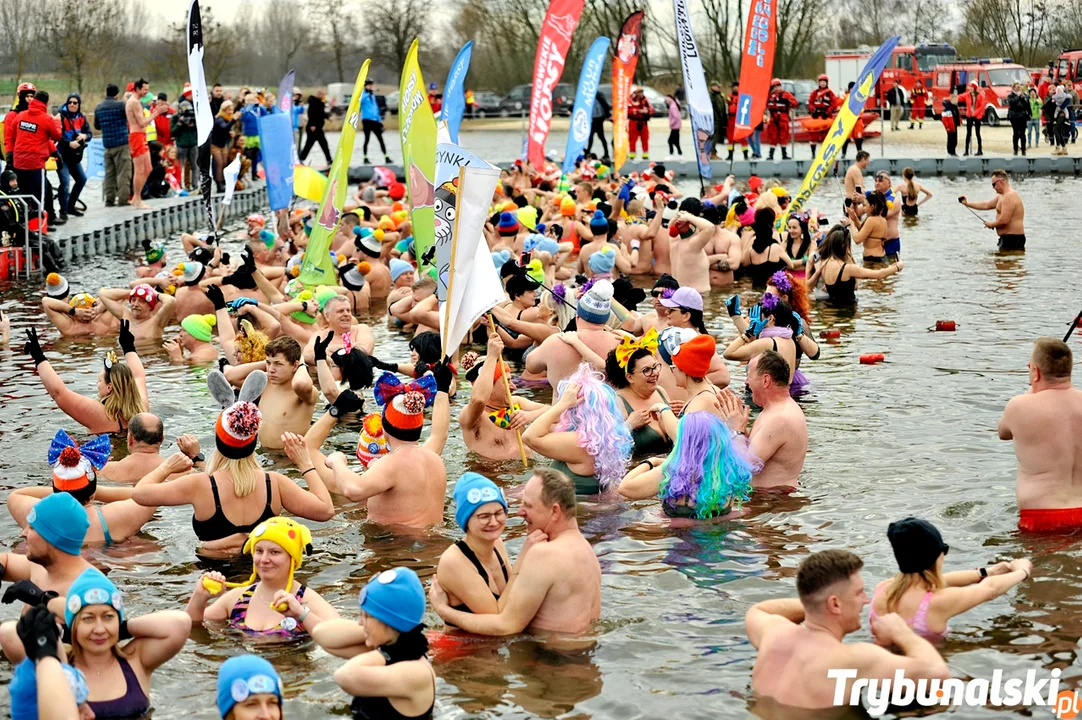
x: 552, y: 46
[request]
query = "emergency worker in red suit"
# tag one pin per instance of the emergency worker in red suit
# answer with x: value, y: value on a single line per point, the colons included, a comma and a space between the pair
x: 919, y: 98
x: 820, y: 102
x: 779, y: 106
x: 639, y: 111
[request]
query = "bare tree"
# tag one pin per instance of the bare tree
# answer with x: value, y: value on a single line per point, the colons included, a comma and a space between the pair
x: 1019, y: 28
x: 286, y: 31
x: 336, y: 18
x: 392, y: 26
x: 78, y: 33
x: 219, y: 54
x: 18, y: 23
x: 800, y: 25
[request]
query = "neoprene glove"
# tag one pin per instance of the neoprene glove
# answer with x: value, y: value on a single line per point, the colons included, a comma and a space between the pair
x: 389, y: 367
x: 27, y: 592
x: 214, y: 294
x: 39, y: 633
x: 127, y: 340
x: 733, y: 306
x: 799, y: 326
x: 33, y: 347
x: 247, y: 259
x: 625, y: 191
x: 319, y: 349
x: 346, y: 402
x: 442, y: 373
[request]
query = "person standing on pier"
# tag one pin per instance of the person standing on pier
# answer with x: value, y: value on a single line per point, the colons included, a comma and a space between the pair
x: 137, y: 141
x: 951, y: 118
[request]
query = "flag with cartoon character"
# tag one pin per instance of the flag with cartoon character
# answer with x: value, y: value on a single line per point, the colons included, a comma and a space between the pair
x: 449, y: 158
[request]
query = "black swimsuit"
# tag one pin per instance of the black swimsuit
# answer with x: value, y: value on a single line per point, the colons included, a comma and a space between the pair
x: 218, y: 526
x: 760, y: 273
x: 472, y: 557
x: 842, y: 292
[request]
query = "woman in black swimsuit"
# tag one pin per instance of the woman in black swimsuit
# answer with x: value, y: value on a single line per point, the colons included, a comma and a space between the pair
x: 766, y: 255
x: 910, y: 190
x: 228, y: 500
x: 838, y: 271
x: 634, y: 370
x: 474, y: 570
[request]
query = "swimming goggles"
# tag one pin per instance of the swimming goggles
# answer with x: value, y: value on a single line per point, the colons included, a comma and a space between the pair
x: 242, y: 689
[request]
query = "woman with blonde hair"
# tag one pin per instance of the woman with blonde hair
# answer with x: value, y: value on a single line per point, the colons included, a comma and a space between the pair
x: 227, y: 498
x: 122, y: 387
x: 926, y: 597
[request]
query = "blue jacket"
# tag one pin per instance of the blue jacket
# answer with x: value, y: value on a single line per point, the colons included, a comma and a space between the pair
x: 249, y: 119
x: 369, y: 106
x: 298, y: 111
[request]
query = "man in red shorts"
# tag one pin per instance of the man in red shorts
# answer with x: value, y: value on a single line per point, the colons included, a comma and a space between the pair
x: 137, y: 139
x: 1046, y: 426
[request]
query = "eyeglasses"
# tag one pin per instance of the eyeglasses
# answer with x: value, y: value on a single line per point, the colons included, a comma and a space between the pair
x: 73, y: 102
x: 484, y: 518
x: 651, y: 370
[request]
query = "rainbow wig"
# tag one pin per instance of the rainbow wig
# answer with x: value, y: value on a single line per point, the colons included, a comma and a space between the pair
x: 598, y: 423
x: 706, y: 466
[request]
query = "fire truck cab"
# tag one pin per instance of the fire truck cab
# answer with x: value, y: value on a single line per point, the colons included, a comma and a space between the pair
x: 908, y: 64
x: 994, y: 78
x: 1068, y: 69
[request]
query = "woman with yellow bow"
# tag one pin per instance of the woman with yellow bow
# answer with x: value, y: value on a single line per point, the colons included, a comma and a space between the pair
x: 634, y: 369
x: 274, y: 604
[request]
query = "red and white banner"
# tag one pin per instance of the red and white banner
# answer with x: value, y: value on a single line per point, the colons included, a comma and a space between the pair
x: 548, y: 66
x: 624, y: 61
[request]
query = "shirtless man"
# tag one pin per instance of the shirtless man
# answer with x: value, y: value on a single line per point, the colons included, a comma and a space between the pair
x: 488, y: 399
x: 378, y: 278
x: 1045, y: 425
x: 642, y: 232
x: 290, y: 397
x: 854, y: 179
x: 420, y: 308
x: 801, y: 641
x: 338, y: 318
x: 82, y: 316
x: 148, y: 310
x: 558, y: 588
x: 558, y: 358
x: 408, y: 485
x: 137, y: 139
x: 599, y: 238
x: 723, y: 253
x: 892, y: 244
x: 658, y: 318
x: 691, y: 236
x: 662, y: 247
x: 779, y: 438
x: 402, y: 278
x: 1010, y: 212
x: 145, y: 435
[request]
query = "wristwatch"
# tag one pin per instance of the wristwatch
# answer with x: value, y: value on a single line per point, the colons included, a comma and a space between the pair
x: 198, y: 458
x: 71, y: 311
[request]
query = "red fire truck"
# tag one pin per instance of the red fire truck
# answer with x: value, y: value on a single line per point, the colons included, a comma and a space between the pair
x: 908, y: 64
x: 1069, y: 68
x: 994, y: 78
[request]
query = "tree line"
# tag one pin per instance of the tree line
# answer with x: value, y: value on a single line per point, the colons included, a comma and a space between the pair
x: 90, y: 43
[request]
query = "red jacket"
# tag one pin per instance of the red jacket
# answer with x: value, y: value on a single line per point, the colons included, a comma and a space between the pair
x: 9, y: 131
x: 165, y: 131
x: 36, y: 133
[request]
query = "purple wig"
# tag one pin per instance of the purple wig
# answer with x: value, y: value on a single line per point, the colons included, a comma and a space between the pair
x: 598, y: 423
x: 706, y: 467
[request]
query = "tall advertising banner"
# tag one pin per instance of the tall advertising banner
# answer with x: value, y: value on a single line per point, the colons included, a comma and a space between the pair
x: 276, y: 141
x: 582, y: 114
x: 204, y: 119
x: 624, y: 61
x: 698, y: 94
x: 285, y: 104
x: 841, y: 127
x: 454, y: 91
x: 317, y: 268
x: 417, y: 128
x: 756, y: 66
x: 548, y: 66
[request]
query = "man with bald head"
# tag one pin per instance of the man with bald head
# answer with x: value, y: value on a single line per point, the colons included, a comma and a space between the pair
x: 145, y: 435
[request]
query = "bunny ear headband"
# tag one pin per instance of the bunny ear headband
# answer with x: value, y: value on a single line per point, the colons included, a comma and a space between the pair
x: 388, y: 386
x: 222, y: 391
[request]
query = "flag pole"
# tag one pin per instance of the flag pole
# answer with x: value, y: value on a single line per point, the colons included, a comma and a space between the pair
x: 451, y: 268
x: 507, y: 388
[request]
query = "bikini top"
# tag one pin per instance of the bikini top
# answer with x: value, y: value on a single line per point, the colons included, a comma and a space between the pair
x: 919, y: 622
x: 132, y: 704
x: 218, y: 526
x: 472, y: 557
x: 287, y: 628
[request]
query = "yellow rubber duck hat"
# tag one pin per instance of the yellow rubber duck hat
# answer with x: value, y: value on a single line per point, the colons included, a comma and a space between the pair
x: 290, y: 535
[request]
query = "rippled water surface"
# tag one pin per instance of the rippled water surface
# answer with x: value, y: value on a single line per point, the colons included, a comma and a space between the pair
x: 915, y: 435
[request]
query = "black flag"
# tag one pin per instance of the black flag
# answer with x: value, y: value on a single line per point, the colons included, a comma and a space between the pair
x: 204, y: 119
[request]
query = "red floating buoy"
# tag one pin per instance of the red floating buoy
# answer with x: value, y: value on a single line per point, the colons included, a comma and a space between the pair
x: 947, y: 325
x: 831, y: 334
x: 872, y: 358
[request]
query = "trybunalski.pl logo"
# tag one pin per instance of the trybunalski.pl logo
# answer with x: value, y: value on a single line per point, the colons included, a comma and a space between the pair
x: 997, y: 692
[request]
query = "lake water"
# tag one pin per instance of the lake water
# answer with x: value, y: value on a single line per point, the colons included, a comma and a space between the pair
x: 915, y: 435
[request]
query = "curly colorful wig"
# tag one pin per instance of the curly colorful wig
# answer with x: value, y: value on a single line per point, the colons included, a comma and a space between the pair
x: 598, y: 423
x: 706, y: 466
x: 795, y: 294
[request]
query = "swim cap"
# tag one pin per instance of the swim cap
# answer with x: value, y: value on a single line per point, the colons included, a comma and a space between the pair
x: 24, y: 689
x: 61, y: 521
x: 395, y: 598
x: 256, y: 219
x: 92, y: 588
x: 471, y: 492
x: 56, y: 286
x: 199, y: 327
x: 242, y: 676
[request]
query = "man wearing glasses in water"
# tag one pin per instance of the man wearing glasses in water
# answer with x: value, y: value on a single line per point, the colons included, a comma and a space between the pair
x: 1010, y: 212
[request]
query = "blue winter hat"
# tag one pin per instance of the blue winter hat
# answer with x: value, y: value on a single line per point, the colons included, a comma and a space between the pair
x: 500, y: 258
x: 603, y: 261
x: 396, y: 598
x: 242, y: 676
x: 61, y: 521
x: 92, y: 588
x: 471, y: 492
x: 398, y: 267
x: 596, y: 304
x: 537, y: 241
x: 24, y: 689
x: 599, y: 224
x: 508, y: 224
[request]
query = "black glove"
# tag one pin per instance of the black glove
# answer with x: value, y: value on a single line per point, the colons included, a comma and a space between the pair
x: 214, y: 294
x: 346, y: 402
x: 247, y: 259
x: 242, y: 280
x: 319, y: 349
x: 388, y: 367
x: 733, y: 305
x: 39, y: 633
x: 27, y: 592
x: 225, y: 258
x: 127, y: 340
x: 146, y: 245
x: 222, y: 364
x: 33, y: 348
x: 442, y: 372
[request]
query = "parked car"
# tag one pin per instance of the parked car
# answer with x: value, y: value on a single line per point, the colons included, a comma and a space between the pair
x: 392, y: 102
x: 486, y: 104
x: 517, y: 102
x: 802, y: 90
x: 655, y: 98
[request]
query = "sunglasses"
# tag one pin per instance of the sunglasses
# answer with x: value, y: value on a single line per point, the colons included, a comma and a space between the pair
x: 73, y: 102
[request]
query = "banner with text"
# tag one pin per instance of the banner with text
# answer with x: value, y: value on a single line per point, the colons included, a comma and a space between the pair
x: 624, y: 61
x: 454, y: 91
x: 756, y: 67
x: 417, y: 128
x: 582, y: 114
x: 548, y: 66
x: 698, y: 94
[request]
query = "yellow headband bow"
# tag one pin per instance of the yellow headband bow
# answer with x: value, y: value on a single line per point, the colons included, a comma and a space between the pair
x: 627, y: 347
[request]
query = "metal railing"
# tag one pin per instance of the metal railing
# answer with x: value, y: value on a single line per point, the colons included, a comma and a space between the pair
x: 23, y: 200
